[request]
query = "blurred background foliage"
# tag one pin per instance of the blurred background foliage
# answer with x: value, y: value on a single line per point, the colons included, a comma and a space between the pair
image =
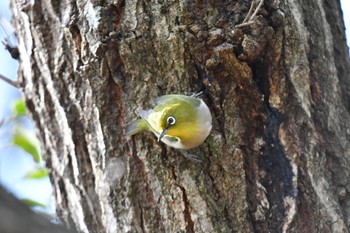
x: 22, y: 141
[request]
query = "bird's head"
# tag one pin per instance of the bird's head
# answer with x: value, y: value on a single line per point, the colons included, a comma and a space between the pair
x: 178, y: 120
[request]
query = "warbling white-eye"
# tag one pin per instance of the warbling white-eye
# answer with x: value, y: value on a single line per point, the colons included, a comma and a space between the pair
x: 180, y: 121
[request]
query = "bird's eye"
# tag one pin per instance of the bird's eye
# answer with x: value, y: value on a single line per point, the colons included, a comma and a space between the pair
x: 171, y: 120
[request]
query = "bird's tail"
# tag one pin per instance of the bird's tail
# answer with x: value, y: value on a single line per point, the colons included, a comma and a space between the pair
x: 136, y: 127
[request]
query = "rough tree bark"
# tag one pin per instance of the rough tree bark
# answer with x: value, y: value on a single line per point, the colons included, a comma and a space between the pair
x: 278, y: 157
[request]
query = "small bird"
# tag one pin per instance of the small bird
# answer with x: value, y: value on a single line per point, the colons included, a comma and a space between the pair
x: 180, y: 121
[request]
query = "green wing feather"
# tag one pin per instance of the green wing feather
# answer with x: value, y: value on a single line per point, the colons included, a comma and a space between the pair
x: 174, y: 98
x: 136, y: 126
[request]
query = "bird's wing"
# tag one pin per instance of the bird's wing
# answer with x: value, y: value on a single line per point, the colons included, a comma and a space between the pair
x: 194, y: 101
x: 145, y: 113
x: 163, y: 99
x: 152, y: 118
x: 136, y: 127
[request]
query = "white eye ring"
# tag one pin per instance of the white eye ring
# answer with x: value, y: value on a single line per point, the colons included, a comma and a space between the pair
x: 171, y: 120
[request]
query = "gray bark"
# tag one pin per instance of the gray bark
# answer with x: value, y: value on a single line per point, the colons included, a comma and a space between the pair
x: 277, y: 159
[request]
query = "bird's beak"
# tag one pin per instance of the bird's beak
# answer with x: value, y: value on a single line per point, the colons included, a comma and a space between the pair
x: 162, y: 134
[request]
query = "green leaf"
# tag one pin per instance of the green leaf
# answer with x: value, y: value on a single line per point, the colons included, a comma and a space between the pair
x: 19, y: 108
x: 23, y: 141
x: 32, y: 203
x: 37, y: 173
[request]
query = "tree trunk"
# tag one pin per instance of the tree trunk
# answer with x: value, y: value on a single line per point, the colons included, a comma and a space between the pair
x: 278, y: 88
